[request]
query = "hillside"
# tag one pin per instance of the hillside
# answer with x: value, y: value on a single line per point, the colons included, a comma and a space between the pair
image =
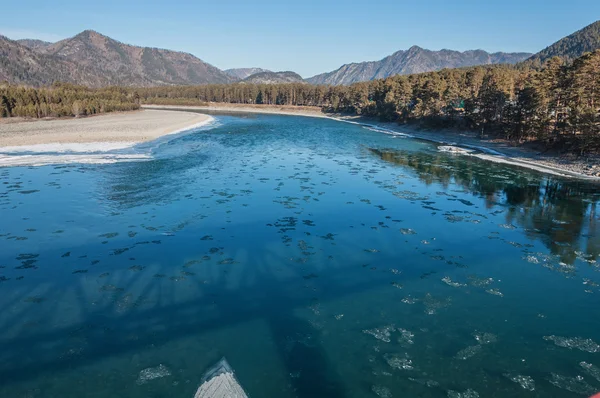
x: 133, y: 65
x: 413, y: 60
x: 22, y: 65
x: 572, y: 46
x: 273, y: 78
x: 95, y: 60
x: 34, y: 44
x: 242, y: 73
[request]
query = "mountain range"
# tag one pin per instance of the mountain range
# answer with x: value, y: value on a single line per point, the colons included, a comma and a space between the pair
x: 413, y: 60
x: 95, y: 60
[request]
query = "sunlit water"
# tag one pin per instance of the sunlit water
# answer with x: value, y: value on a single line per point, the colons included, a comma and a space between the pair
x: 322, y: 259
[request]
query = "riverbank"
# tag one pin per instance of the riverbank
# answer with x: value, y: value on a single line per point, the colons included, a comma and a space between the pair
x: 488, y: 148
x: 106, y: 129
x: 496, y: 149
x: 312, y: 111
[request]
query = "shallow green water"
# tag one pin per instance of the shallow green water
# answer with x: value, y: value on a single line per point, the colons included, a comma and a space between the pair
x: 322, y: 259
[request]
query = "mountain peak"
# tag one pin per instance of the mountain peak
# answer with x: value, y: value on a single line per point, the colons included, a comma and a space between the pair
x: 572, y: 46
x: 415, y: 48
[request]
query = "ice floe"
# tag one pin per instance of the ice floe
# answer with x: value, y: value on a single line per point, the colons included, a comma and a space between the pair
x: 153, y: 373
x: 579, y: 343
x: 526, y: 382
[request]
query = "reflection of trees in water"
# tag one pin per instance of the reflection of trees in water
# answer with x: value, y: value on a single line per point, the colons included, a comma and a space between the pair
x: 559, y: 212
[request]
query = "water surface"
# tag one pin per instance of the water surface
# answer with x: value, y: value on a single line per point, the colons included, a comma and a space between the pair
x: 322, y: 259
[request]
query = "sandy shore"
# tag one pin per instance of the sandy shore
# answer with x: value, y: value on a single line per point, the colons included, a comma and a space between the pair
x: 129, y: 127
x: 492, y: 149
x: 312, y: 111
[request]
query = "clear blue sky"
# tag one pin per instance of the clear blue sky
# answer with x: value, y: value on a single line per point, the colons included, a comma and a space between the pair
x: 308, y: 37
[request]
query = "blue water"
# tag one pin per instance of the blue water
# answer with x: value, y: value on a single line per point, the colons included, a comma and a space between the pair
x: 321, y: 258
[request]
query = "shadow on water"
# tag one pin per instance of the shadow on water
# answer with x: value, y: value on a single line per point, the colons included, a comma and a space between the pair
x: 559, y: 212
x: 121, y: 322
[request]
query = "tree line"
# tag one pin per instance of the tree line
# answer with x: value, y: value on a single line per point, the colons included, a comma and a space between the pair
x: 557, y: 104
x: 63, y: 99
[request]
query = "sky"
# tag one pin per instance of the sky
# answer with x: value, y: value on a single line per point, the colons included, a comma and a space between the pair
x: 308, y: 37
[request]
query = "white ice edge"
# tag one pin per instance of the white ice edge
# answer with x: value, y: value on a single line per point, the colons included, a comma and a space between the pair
x: 85, y: 153
x: 45, y: 160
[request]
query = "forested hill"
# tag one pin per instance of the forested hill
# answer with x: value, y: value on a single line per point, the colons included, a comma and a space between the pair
x: 413, y: 60
x: 570, y: 47
x: 273, y: 78
x: 34, y: 44
x: 22, y: 65
x: 133, y: 65
x: 242, y: 73
x: 95, y: 60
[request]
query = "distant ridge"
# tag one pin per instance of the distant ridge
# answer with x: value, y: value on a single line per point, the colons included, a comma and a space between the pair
x: 413, y: 60
x: 274, y: 78
x: 572, y: 46
x: 242, y: 73
x: 34, y: 44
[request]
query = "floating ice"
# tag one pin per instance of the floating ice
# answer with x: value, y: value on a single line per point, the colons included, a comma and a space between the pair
x: 153, y: 373
x: 433, y: 304
x: 532, y: 259
x: 575, y: 342
x: 425, y: 382
x: 525, y: 382
x: 479, y: 282
x: 399, y: 362
x: 485, y: 338
x: 495, y: 292
x: 406, y: 336
x: 449, y: 282
x: 468, y: 352
x: 593, y: 371
x: 382, y: 391
x: 383, y: 333
x: 574, y: 384
x: 466, y: 394
x: 454, y: 149
x: 407, y: 231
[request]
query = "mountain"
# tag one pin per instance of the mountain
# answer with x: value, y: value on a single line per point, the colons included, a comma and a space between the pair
x: 22, y: 65
x: 413, y: 60
x: 95, y: 60
x: 242, y: 73
x: 274, y: 78
x: 135, y: 66
x: 572, y: 46
x: 34, y: 44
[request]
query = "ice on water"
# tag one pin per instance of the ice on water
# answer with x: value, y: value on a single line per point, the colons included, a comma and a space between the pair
x: 401, y: 362
x: 592, y: 370
x: 465, y: 394
x: 450, y: 282
x: 525, y: 382
x: 153, y: 373
x: 381, y: 391
x: 575, y: 384
x: 468, y: 352
x: 383, y: 333
x: 579, y: 343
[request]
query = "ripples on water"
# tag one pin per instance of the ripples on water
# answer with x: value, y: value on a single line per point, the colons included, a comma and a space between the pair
x: 322, y: 259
